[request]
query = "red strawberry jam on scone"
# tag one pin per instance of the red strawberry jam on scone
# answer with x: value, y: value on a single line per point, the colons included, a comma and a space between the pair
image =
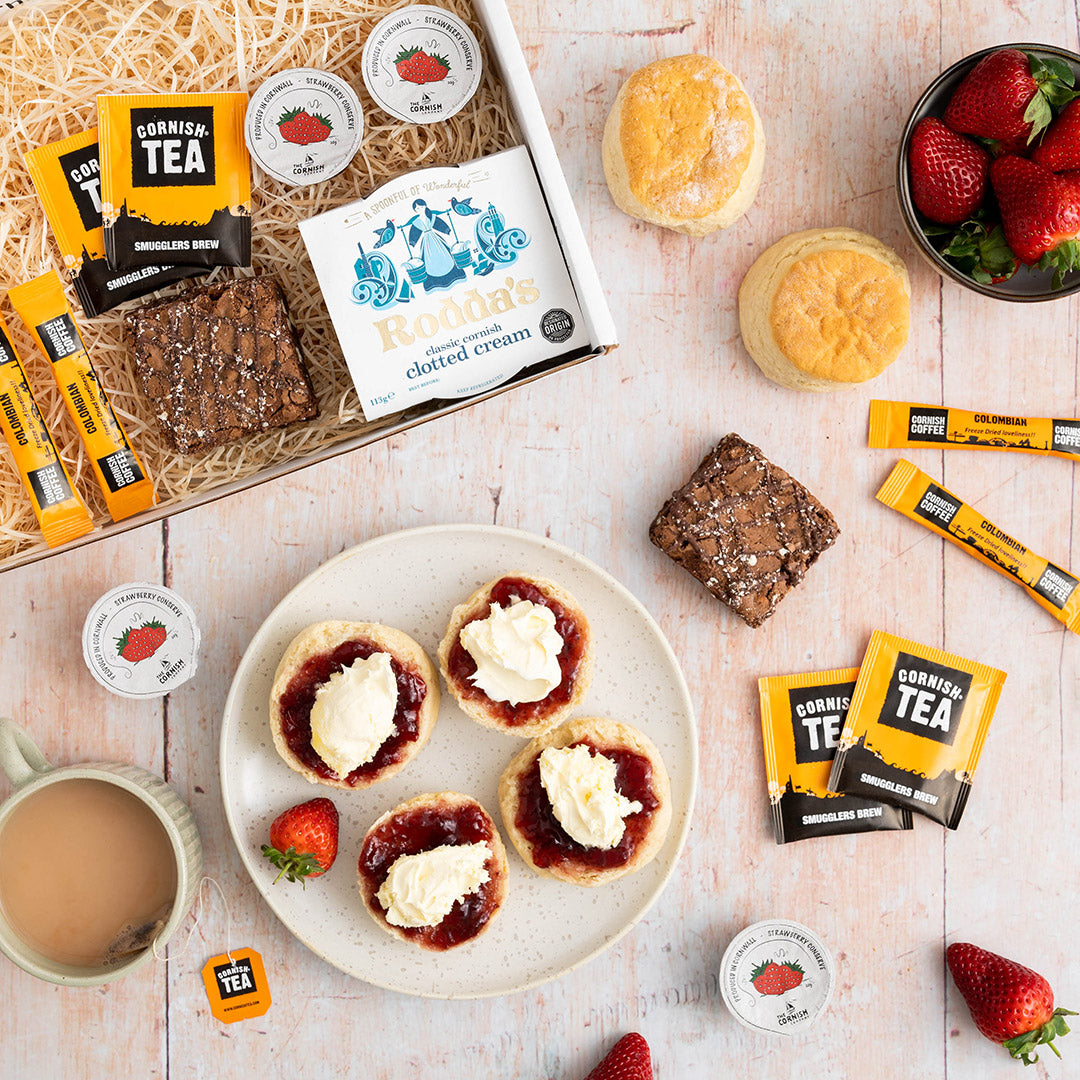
x: 352, y: 703
x: 587, y: 802
x: 517, y: 654
x: 432, y: 871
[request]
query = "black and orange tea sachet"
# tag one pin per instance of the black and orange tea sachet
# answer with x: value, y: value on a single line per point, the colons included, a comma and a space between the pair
x: 916, y: 727
x: 67, y: 178
x: 801, y: 720
x: 175, y: 179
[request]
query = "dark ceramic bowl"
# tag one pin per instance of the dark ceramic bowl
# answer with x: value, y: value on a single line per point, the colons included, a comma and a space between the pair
x: 1026, y: 285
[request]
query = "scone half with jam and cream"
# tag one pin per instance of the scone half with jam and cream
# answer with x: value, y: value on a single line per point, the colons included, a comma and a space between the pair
x: 587, y: 802
x: 352, y: 703
x: 433, y: 871
x: 517, y: 655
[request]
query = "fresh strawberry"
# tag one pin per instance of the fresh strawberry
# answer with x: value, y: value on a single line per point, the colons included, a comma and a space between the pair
x: 628, y: 1059
x: 977, y: 249
x: 768, y: 978
x: 948, y: 172
x: 1007, y: 95
x: 304, y: 840
x: 139, y: 642
x: 1010, y: 1004
x: 1060, y: 146
x: 791, y: 974
x: 1040, y: 213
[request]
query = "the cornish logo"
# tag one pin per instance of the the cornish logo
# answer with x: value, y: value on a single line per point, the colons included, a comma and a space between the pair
x: 83, y: 174
x: 1066, y: 435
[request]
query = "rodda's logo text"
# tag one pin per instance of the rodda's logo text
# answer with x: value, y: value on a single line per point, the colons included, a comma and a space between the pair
x: 397, y: 330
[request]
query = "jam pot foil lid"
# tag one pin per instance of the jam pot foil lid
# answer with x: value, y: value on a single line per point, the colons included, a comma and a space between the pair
x: 776, y: 977
x: 141, y: 640
x: 304, y: 126
x: 421, y: 64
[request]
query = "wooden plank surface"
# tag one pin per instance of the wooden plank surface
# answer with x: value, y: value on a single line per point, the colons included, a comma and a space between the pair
x: 587, y: 457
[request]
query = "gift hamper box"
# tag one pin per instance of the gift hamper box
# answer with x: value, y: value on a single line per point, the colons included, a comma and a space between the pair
x: 423, y: 250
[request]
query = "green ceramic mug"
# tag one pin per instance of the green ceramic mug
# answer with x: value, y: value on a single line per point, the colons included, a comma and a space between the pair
x: 30, y: 773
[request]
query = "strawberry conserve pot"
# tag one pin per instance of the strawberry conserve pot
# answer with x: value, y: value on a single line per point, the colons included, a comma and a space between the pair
x: 776, y: 977
x: 141, y: 640
x: 304, y: 126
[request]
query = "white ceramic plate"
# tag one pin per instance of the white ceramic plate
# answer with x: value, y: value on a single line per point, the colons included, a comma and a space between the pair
x: 411, y: 580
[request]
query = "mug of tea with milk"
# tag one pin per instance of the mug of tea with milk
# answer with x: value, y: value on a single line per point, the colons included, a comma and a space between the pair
x: 84, y: 913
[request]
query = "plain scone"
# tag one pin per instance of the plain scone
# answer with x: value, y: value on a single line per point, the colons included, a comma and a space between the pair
x: 496, y: 865
x: 477, y: 708
x: 684, y: 146
x: 604, y: 734
x: 324, y: 637
x: 825, y: 309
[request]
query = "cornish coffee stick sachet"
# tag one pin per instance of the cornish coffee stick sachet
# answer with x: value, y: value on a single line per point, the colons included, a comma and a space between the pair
x: 919, y: 497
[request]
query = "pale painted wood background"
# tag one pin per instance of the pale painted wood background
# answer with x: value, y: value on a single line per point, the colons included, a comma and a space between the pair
x: 587, y: 457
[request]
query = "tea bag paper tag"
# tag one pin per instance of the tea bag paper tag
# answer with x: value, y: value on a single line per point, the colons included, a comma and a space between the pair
x: 236, y: 985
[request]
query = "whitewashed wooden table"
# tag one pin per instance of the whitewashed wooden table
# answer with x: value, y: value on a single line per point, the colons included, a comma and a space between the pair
x: 587, y: 457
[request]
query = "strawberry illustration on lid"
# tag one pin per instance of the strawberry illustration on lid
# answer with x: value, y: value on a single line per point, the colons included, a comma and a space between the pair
x: 304, y: 126
x: 141, y: 640
x: 421, y: 64
x: 776, y: 977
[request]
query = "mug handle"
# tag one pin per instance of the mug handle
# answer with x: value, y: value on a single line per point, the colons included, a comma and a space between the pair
x: 19, y: 756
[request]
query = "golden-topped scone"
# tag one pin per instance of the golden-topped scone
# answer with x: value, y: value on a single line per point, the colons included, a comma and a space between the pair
x: 825, y: 308
x: 684, y: 146
x: 517, y: 654
x: 588, y: 802
x: 352, y: 703
x: 432, y: 871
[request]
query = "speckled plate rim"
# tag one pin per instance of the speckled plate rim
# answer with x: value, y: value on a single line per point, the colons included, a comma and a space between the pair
x: 682, y: 806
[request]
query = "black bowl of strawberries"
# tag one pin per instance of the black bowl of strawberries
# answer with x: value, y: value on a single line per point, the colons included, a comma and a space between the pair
x: 988, y: 173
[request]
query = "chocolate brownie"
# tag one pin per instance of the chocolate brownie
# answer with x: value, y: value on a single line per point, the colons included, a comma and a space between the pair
x: 744, y: 528
x: 220, y: 361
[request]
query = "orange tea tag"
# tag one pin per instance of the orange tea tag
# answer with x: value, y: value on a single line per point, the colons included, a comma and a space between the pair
x: 236, y: 985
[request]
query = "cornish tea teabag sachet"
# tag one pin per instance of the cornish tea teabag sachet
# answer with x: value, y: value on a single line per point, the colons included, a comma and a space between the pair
x: 445, y: 282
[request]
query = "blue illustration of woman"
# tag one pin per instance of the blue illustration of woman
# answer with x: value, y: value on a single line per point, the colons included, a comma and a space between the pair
x: 424, y: 229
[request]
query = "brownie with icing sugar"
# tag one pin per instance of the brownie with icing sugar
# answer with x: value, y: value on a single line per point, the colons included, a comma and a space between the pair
x: 744, y: 528
x: 219, y: 362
